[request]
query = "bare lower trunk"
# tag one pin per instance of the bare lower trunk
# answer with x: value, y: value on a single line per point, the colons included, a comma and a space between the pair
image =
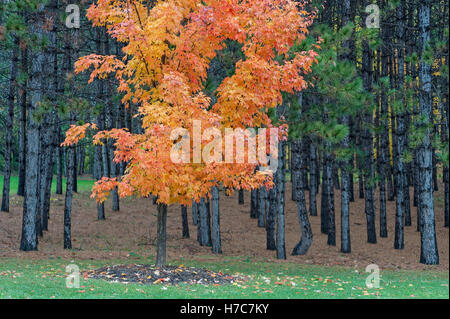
x: 161, y: 236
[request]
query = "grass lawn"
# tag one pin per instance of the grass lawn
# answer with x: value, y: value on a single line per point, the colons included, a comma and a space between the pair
x: 83, y: 184
x: 46, y: 279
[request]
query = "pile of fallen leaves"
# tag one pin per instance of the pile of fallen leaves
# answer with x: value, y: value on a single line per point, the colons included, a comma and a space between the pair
x: 170, y: 275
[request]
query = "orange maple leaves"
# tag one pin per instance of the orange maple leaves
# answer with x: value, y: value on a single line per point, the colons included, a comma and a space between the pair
x: 168, y: 49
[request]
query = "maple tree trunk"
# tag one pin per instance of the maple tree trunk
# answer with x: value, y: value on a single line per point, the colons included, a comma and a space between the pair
x: 184, y: 222
x: 161, y: 236
x: 215, y: 231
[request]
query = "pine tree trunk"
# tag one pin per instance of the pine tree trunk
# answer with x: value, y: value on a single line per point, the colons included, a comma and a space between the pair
x: 298, y: 195
x: 401, y: 136
x: 215, y: 231
x: 429, y: 253
x: 71, y: 166
x: 184, y: 222
x: 59, y: 165
x: 253, y: 204
x: 368, y: 147
x: 313, y: 187
x: 194, y: 212
x: 281, y: 246
x: 23, y: 124
x: 31, y: 218
x: 241, y: 197
x: 262, y: 207
x: 270, y: 218
x: 9, y: 126
x: 204, y: 224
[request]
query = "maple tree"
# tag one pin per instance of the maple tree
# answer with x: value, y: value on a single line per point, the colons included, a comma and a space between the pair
x: 168, y: 48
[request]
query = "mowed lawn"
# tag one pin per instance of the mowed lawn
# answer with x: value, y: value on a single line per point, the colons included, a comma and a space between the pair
x: 83, y: 184
x: 47, y: 279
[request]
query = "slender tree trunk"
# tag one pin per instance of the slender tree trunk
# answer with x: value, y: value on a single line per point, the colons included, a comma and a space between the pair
x: 254, y: 204
x: 194, y: 212
x: 184, y: 221
x: 281, y: 246
x: 313, y: 187
x: 23, y: 124
x: 270, y: 218
x: 71, y: 166
x: 262, y: 207
x: 368, y: 147
x: 241, y: 197
x: 215, y: 231
x: 9, y: 125
x: 162, y: 236
x: 59, y: 164
x: 401, y: 134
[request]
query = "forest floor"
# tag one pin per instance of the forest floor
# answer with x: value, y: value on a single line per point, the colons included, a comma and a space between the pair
x: 128, y: 237
x: 132, y: 232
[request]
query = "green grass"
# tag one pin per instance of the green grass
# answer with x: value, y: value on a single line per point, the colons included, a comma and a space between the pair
x: 46, y: 279
x: 83, y: 184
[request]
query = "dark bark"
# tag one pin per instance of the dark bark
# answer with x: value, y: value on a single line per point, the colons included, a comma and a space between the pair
x: 368, y: 147
x: 313, y: 187
x: 204, y: 223
x: 298, y: 195
x: 23, y: 123
x: 401, y: 138
x: 59, y: 165
x: 37, y: 84
x: 253, y: 204
x: 261, y: 207
x: 194, y: 212
x: 428, y: 253
x: 9, y: 126
x: 184, y: 222
x: 215, y: 230
x: 280, y: 175
x: 71, y: 166
x: 161, y: 236
x: 271, y: 211
x: 241, y: 197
